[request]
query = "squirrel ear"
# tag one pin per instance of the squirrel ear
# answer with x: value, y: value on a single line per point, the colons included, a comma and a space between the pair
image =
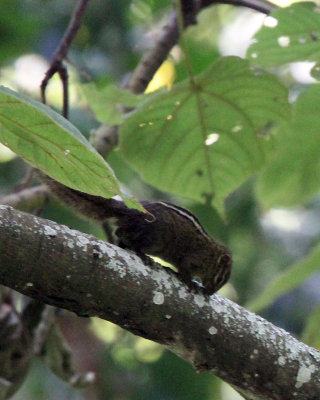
x: 224, y: 259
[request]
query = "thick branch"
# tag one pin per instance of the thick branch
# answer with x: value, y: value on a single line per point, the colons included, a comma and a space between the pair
x: 85, y: 275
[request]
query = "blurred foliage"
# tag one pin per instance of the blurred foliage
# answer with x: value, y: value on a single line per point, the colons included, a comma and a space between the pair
x: 264, y: 245
x: 298, y: 148
x: 311, y: 332
x: 288, y: 35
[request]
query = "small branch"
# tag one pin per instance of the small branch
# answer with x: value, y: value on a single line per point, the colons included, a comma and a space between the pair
x: 258, y: 5
x: 78, y: 272
x: 60, y: 54
x: 28, y: 199
x: 160, y: 50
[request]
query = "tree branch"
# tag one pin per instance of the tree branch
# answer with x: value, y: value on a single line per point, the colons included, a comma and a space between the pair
x: 78, y: 272
x: 263, y: 6
x: 61, y: 53
x: 27, y: 199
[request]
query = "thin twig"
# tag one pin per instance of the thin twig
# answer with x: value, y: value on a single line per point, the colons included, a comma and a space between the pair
x: 167, y: 38
x: 61, y: 53
x: 265, y: 7
x: 28, y: 199
x: 25, y: 181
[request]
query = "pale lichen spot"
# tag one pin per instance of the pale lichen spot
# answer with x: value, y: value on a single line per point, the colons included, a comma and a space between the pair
x: 212, y: 330
x: 182, y: 293
x: 68, y: 276
x: 168, y: 316
x: 83, y: 241
x: 218, y: 308
x: 158, y: 298
x: 212, y: 138
x: 199, y: 300
x: 270, y: 22
x: 70, y: 243
x: 49, y: 231
x: 281, y: 361
x: 103, y: 248
x: 304, y: 375
x: 284, y: 41
x: 5, y: 207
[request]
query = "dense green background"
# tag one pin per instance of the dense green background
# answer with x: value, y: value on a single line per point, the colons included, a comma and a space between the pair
x: 265, y: 244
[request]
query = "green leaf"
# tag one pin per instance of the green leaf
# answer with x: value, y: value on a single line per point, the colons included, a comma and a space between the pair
x: 51, y: 143
x: 289, y: 34
x: 204, y: 140
x: 310, y: 334
x: 105, y: 102
x: 292, y: 175
x: 288, y: 280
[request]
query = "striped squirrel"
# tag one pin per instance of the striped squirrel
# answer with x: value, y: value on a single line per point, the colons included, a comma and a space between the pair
x: 167, y: 231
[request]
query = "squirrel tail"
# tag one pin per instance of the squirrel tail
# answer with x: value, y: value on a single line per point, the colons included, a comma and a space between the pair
x: 90, y: 206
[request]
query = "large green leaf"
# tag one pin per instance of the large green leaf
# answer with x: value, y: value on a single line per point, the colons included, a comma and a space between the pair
x: 289, y: 34
x: 204, y: 140
x: 292, y: 176
x: 52, y: 144
x: 288, y: 280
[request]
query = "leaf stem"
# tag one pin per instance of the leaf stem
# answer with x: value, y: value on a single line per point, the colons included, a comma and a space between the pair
x: 195, y: 89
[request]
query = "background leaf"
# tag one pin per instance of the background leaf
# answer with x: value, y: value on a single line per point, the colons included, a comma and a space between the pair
x: 52, y: 144
x: 205, y: 141
x: 288, y: 280
x: 292, y: 176
x: 105, y: 102
x: 311, y: 335
x: 289, y: 34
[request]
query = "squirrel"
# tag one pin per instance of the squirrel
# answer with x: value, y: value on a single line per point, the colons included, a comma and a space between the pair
x: 167, y: 231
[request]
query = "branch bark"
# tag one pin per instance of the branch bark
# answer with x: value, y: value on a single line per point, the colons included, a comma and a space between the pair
x: 90, y: 277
